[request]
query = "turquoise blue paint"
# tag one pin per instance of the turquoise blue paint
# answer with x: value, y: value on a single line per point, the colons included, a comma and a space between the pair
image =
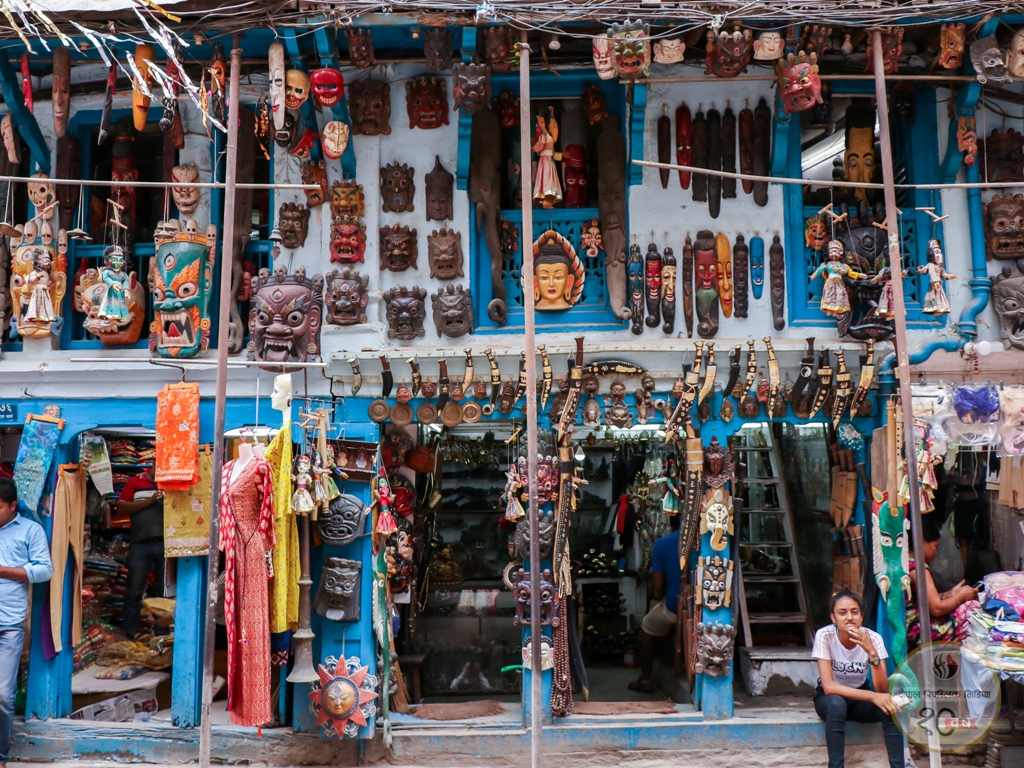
x: 189, y: 633
x: 757, y: 257
x: 21, y: 117
x: 637, y: 121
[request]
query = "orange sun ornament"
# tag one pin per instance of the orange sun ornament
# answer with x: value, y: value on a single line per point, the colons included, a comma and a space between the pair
x: 344, y: 697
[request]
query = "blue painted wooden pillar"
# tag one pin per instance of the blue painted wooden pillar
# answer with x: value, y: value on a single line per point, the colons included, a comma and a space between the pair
x: 189, y: 628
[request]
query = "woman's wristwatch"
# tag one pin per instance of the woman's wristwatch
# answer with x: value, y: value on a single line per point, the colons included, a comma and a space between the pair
x: 874, y: 661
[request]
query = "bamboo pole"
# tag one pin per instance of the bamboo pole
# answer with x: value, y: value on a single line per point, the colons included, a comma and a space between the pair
x: 903, y: 370
x: 530, y: 344
x: 224, y: 319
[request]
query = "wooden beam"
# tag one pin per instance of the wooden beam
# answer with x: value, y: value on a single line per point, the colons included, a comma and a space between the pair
x: 23, y: 120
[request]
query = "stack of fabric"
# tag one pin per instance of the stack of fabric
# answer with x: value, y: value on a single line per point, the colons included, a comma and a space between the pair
x: 146, y: 451
x: 995, y: 627
x: 123, y: 451
x: 96, y: 635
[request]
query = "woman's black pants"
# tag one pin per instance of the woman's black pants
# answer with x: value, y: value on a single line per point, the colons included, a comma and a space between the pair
x: 837, y: 711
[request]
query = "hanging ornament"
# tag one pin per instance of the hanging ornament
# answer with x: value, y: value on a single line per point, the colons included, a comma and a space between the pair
x: 343, y: 699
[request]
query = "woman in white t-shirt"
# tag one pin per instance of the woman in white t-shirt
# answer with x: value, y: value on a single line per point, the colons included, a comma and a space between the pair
x: 847, y: 653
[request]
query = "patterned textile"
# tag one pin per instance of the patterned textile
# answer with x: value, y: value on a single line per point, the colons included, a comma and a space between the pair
x: 284, y: 591
x: 187, y: 515
x: 177, y: 437
x: 32, y: 467
x: 246, y: 536
x: 944, y: 628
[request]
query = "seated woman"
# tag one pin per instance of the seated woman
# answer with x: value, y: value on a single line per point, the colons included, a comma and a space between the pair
x: 941, y: 606
x: 846, y: 652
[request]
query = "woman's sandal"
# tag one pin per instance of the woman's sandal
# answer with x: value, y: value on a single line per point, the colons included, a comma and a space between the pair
x: 641, y: 686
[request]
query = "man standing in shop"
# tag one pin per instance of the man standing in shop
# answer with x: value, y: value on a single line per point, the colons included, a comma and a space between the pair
x: 24, y: 560
x: 660, y: 620
x: 144, y: 504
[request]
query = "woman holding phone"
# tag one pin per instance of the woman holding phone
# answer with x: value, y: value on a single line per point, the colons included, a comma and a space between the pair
x: 854, y: 684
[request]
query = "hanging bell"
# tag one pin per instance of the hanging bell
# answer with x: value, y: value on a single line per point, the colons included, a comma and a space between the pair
x: 8, y: 230
x: 275, y: 235
x: 79, y: 234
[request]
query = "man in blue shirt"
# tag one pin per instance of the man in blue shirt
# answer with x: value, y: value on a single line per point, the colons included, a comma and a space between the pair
x: 24, y: 560
x: 660, y: 620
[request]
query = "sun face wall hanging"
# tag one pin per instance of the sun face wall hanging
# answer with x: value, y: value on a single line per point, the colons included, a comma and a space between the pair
x: 558, y: 274
x: 344, y: 699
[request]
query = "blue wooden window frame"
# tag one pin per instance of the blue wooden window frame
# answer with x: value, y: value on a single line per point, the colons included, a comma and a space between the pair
x: 594, y: 310
x: 920, y: 165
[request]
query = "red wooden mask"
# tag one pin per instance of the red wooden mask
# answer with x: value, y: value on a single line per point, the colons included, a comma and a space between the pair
x: 61, y: 89
x: 799, y: 82
x: 328, y: 86
x: 348, y: 240
x: 497, y: 48
x: 426, y: 99
x: 574, y: 169
x: 508, y: 109
x: 360, y: 47
x: 728, y: 54
x: 951, y: 45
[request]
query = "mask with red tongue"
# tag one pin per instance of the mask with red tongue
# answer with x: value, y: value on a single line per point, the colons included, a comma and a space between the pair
x: 285, y: 317
x: 180, y: 282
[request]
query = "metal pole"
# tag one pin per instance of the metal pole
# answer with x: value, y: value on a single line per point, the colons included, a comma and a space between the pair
x: 530, y: 344
x: 903, y: 371
x: 161, y: 184
x: 227, y: 248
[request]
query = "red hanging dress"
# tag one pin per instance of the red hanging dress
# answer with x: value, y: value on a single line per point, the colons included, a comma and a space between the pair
x: 246, y: 536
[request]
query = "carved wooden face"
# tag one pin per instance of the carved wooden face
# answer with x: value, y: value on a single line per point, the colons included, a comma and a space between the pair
x: 347, y: 199
x: 285, y: 318
x: 630, y: 47
x: 370, y: 104
x: 987, y: 58
x: 41, y: 193
x: 275, y: 61
x: 715, y: 582
x: 397, y: 187
x: 444, y: 254
x: 61, y: 90
x: 1008, y: 301
x: 346, y: 297
x: 296, y: 88
x: 903, y: 104
x: 181, y: 286
x: 437, y: 48
x: 140, y: 102
x: 360, y: 47
x: 728, y: 54
x: 293, y: 224
x: 334, y: 140
x: 601, y: 50
x: 69, y: 153
x: 285, y: 136
x: 892, y: 47
x: 453, y: 311
x: 669, y: 51
x: 405, y: 313
x: 440, y: 185
x: 471, y: 87
x: 799, y: 82
x: 1004, y: 224
x: 951, y: 45
x: 714, y: 648
x: 348, y: 240
x: 315, y: 172
x: 860, y: 155
x: 185, y: 198
x: 594, y: 104
x: 426, y: 100
x: 398, y: 248
x: 574, y: 167
x: 815, y: 233
x: 967, y: 138
x: 724, y: 274
x: 768, y: 46
x: 1015, y: 56
x: 10, y: 140
x: 706, y: 262
x: 497, y: 48
x: 508, y: 109
x: 328, y: 86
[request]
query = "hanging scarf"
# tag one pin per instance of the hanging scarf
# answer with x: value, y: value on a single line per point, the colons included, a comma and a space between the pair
x: 177, y: 437
x: 32, y: 467
x: 284, y: 590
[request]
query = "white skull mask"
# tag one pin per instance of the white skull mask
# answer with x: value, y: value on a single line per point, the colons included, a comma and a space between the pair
x: 185, y: 198
x: 335, y: 139
x: 42, y: 194
x: 275, y: 59
x: 602, y: 52
x: 192, y: 228
x: 46, y: 233
x: 768, y: 46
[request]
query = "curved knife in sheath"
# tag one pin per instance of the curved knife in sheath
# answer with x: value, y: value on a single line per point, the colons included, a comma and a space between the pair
x: 495, y: 379
x: 748, y: 382
x: 548, y: 376
x: 417, y: 377
x: 844, y: 389
x: 693, y: 490
x: 442, y: 385
x: 387, y: 380
x: 467, y: 377
x: 806, y: 372
x: 774, y: 378
x: 688, y: 286
x: 867, y: 375
x: 710, y: 371
x: 613, y: 368
x: 572, y: 400
x: 684, y: 407
x: 521, y: 384
x: 734, y: 372
x: 357, y: 376
x: 824, y: 383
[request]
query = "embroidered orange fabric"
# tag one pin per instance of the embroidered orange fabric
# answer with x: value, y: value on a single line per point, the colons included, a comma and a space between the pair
x: 177, y: 437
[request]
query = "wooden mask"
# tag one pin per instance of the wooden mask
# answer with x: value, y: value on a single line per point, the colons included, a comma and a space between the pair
x: 1008, y: 301
x: 903, y: 105
x: 397, y: 187
x: 140, y: 101
x: 38, y: 287
x: 669, y: 51
x: 453, y: 311
x: 426, y: 101
x: 1004, y: 228
x: 484, y: 196
x: 437, y: 48
x: 631, y: 49
x: 347, y: 198
x: 360, y: 47
x: 405, y: 313
x: 762, y: 150
x: 574, y: 176
x: 181, y: 281
x: 987, y: 58
x: 728, y: 152
x: 951, y: 45
x: 293, y: 224
x: 769, y: 46
x: 558, y: 274
x: 724, y: 273
x: 699, y: 130
x: 668, y: 290
x: 635, y: 286
x: 348, y: 240
x: 1004, y: 156
x: 816, y: 39
x: 328, y: 85
x: 508, y: 109
x: 652, y: 285
x: 892, y: 47
x: 714, y: 162
x: 777, y: 276
x: 285, y: 317
x: 799, y: 82
x: 370, y: 103
x: 684, y: 145
x: 594, y: 104
x: 746, y: 141
x: 314, y: 172
x: 859, y: 158
x: 740, y: 259
x: 1015, y: 56
x: 756, y: 266
x: 69, y: 153
x: 398, y: 248
x: 497, y: 48
x: 471, y: 87
x: 61, y: 89
x: 186, y: 199
x: 601, y: 52
x: 664, y: 148
x: 296, y: 88
x: 346, y: 297
x: 728, y: 54
x: 444, y: 254
x: 334, y: 139
x: 688, y: 286
x: 967, y: 138
x: 706, y: 293
x: 440, y: 190
x: 275, y: 62
x: 91, y: 292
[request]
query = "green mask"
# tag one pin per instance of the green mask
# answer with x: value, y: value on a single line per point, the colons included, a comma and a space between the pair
x: 181, y: 287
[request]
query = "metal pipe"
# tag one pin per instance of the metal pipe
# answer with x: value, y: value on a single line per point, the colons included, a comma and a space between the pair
x: 903, y: 358
x: 748, y: 78
x: 223, y: 320
x: 532, y: 448
x: 161, y: 184
x: 818, y: 183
